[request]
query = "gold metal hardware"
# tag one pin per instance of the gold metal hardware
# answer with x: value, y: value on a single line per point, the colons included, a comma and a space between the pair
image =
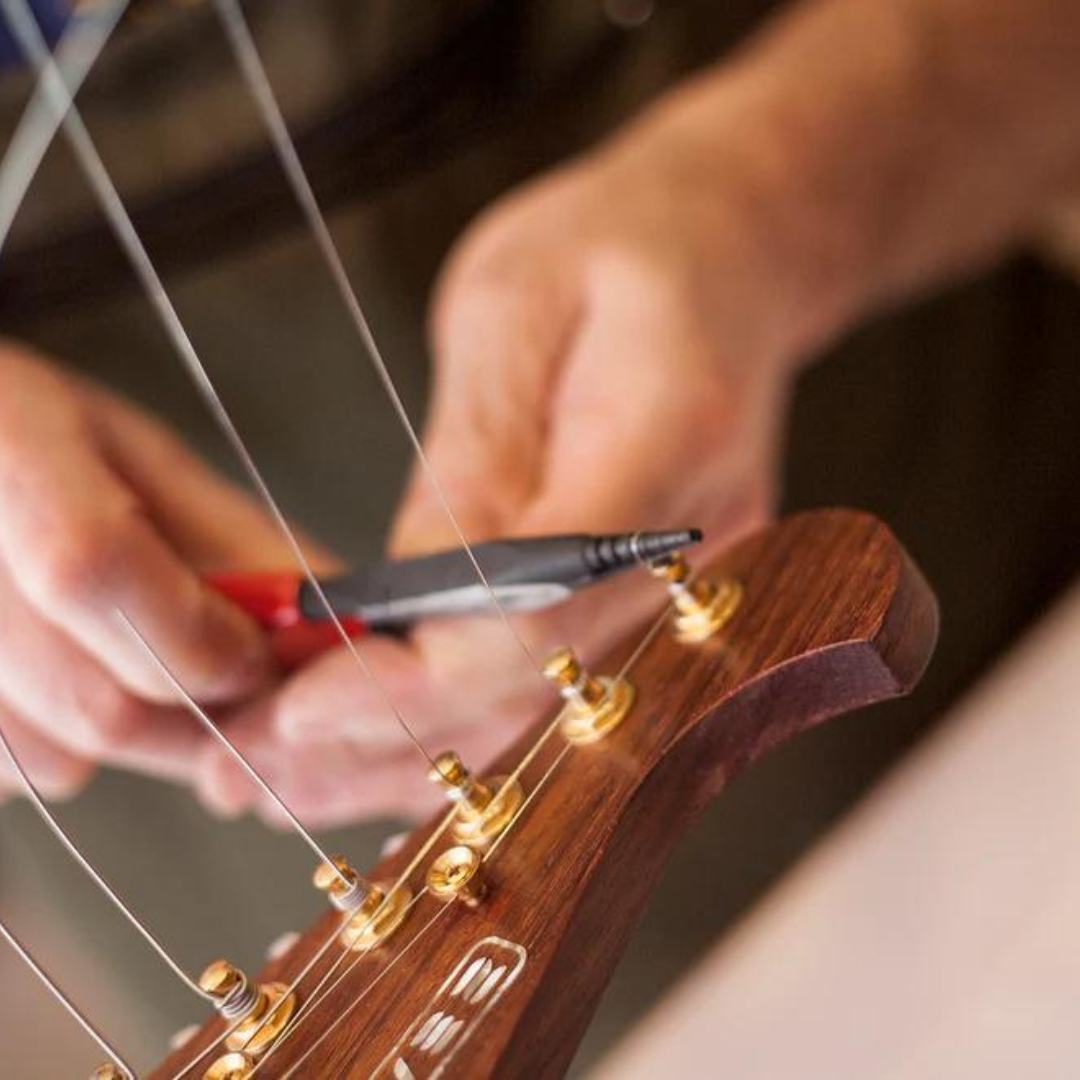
x: 220, y: 978
x: 595, y: 706
x: 233, y: 1066
x: 484, y: 807
x: 260, y: 1011
x: 455, y: 875
x: 261, y: 1029
x: 377, y: 910
x: 381, y: 913
x: 108, y: 1071
x: 344, y: 887
x: 702, y: 607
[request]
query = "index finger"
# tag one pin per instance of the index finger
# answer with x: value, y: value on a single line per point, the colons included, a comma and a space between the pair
x: 78, y: 545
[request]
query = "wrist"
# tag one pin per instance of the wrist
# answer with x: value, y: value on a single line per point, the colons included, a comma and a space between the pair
x: 735, y: 197
x: 881, y: 149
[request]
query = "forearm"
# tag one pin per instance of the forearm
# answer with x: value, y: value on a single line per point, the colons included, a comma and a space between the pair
x: 892, y: 143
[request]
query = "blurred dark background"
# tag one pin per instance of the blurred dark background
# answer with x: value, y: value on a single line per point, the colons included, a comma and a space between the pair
x: 956, y: 420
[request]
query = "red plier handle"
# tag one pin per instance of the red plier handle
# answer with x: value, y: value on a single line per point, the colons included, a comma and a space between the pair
x: 273, y: 601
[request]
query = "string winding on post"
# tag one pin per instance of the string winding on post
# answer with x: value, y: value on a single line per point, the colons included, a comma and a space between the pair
x: 485, y: 808
x: 702, y: 607
x: 259, y: 1011
x: 595, y: 705
x: 377, y: 909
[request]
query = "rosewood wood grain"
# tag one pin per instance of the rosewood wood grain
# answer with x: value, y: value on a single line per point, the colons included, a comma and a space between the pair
x: 834, y: 617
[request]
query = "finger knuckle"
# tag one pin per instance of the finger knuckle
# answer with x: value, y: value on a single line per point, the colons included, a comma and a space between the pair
x: 108, y: 717
x: 67, y: 780
x: 78, y: 566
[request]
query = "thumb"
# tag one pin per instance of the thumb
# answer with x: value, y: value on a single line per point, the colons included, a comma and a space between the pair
x: 650, y: 431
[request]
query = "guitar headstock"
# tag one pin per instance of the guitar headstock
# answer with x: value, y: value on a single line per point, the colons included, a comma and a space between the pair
x: 501, y: 973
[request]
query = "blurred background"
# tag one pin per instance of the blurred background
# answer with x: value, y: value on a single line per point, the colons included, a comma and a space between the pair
x: 956, y: 421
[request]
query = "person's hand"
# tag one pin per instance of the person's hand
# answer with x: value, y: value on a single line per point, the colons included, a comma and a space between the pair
x: 613, y: 351
x: 101, y: 508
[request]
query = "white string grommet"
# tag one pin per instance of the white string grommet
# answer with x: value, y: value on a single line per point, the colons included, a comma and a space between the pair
x: 282, y: 945
x: 179, y: 1039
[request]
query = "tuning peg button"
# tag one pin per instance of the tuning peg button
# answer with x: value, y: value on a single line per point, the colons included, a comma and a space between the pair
x: 455, y: 875
x: 232, y: 1066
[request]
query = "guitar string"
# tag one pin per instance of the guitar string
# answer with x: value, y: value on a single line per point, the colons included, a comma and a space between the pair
x: 82, y: 41
x: 67, y: 122
x: 289, y: 989
x: 253, y: 72
x: 84, y: 37
x: 317, y: 994
x: 402, y: 879
x: 260, y: 88
x: 650, y: 634
x: 28, y: 34
x: 69, y: 1006
x: 441, y: 913
x: 294, y: 1026
x: 222, y: 739
x: 315, y: 998
x: 657, y: 625
x: 61, y: 111
x: 88, y: 868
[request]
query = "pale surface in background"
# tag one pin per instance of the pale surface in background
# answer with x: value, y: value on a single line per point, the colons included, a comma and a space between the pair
x: 935, y: 934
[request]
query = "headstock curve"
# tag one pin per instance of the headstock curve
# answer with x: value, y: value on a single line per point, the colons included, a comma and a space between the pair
x: 834, y: 616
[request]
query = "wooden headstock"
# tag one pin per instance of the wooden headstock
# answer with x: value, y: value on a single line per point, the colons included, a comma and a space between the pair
x: 834, y: 616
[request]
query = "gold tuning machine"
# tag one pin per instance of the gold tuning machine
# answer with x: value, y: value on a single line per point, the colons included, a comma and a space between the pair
x: 231, y: 1066
x: 702, y: 607
x: 344, y: 887
x: 455, y: 875
x: 256, y: 1012
x: 377, y: 910
x: 595, y: 706
x: 109, y: 1071
x: 484, y: 807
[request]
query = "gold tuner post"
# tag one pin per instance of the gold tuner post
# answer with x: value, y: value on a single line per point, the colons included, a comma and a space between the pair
x: 455, y: 875
x: 344, y: 887
x: 232, y: 1066
x: 595, y: 706
x: 702, y: 607
x: 259, y: 1012
x: 484, y: 807
x: 376, y: 910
